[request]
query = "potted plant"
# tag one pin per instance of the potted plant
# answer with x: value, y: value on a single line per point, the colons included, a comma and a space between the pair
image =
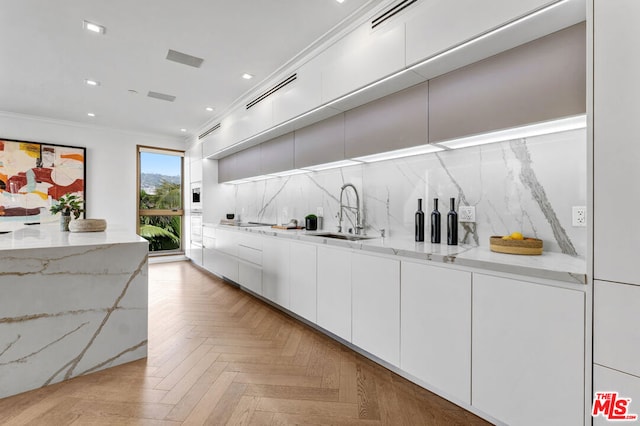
x: 67, y: 204
x: 311, y: 222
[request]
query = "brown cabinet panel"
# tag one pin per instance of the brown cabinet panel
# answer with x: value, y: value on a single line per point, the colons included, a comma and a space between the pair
x: 538, y: 81
x: 226, y: 168
x: 276, y: 155
x: 393, y: 122
x: 320, y: 143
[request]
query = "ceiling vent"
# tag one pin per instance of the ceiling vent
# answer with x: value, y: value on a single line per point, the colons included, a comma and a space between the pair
x: 205, y: 134
x: 161, y: 96
x: 391, y: 12
x: 273, y: 90
x: 184, y: 59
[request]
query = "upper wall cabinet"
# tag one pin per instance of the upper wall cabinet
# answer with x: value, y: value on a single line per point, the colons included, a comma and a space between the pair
x: 320, y: 143
x: 541, y: 80
x: 300, y: 96
x: 247, y: 162
x: 276, y: 155
x: 441, y: 24
x: 393, y: 122
x: 227, y: 169
x: 211, y: 143
x: 362, y: 57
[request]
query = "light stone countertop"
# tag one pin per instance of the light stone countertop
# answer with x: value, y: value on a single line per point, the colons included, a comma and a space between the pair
x: 48, y: 235
x: 549, y: 265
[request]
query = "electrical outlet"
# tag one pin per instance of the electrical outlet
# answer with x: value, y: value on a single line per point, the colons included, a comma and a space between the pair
x: 579, y: 216
x: 466, y: 213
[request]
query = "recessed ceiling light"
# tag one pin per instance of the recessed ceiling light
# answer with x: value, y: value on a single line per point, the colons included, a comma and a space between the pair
x: 209, y: 109
x: 340, y: 1
x: 91, y: 82
x: 95, y: 28
x: 183, y: 130
x: 247, y: 76
x: 90, y: 114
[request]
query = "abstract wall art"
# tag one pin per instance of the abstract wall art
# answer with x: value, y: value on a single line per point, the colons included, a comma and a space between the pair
x: 33, y: 175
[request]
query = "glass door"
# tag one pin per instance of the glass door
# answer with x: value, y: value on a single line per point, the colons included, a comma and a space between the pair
x: 160, y: 198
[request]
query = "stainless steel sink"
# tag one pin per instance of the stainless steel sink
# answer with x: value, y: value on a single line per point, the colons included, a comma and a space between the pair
x: 341, y: 236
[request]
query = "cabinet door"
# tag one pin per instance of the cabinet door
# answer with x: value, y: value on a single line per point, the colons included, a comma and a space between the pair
x: 303, y: 280
x: 542, y: 80
x: 436, y: 327
x: 393, y: 122
x: 250, y: 276
x: 627, y: 386
x: 275, y: 271
x: 334, y: 291
x: 616, y: 335
x: 616, y: 152
x: 276, y: 155
x: 528, y: 352
x: 301, y: 96
x: 227, y: 168
x: 247, y: 163
x: 375, y: 285
x: 320, y: 143
x: 440, y: 24
x: 362, y: 57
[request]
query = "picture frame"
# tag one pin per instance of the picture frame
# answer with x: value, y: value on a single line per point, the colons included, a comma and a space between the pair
x: 34, y: 175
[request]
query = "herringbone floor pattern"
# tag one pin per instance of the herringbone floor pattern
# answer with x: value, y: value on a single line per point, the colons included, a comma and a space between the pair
x: 220, y: 356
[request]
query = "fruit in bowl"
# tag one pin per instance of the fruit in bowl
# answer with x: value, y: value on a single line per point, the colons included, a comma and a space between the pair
x: 515, y: 243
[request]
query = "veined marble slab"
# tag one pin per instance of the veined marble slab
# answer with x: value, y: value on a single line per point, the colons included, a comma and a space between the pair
x: 71, y: 304
x: 549, y: 265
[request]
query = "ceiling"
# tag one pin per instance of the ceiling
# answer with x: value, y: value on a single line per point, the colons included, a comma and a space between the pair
x: 46, y: 55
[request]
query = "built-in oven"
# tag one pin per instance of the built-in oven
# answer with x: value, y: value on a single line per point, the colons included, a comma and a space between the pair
x: 196, y: 200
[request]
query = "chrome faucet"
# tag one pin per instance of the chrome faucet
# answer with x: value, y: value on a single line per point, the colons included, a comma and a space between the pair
x: 358, y: 225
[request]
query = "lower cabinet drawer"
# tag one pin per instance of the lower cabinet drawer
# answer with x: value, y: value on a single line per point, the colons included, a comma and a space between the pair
x: 250, y: 277
x: 250, y: 254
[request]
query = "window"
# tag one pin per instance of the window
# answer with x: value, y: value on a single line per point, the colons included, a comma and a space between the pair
x: 160, y: 195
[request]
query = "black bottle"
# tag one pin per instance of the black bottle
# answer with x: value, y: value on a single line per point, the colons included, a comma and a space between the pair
x: 435, y: 223
x: 452, y: 225
x: 419, y: 222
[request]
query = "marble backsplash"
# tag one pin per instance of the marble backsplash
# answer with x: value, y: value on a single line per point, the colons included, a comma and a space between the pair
x: 527, y: 185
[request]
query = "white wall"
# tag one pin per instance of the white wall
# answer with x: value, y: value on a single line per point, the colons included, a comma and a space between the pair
x: 111, y: 160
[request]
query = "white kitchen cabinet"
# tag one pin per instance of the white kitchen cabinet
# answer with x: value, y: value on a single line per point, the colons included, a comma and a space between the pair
x: 616, y: 152
x: 224, y: 257
x: 275, y: 270
x: 436, y: 327
x: 194, y: 253
x: 334, y: 291
x: 250, y: 265
x: 250, y: 276
x: 227, y: 241
x: 528, y: 349
x: 362, y: 57
x: 616, y: 335
x: 375, y: 287
x: 439, y: 25
x: 627, y: 386
x: 303, y: 280
x: 212, y: 143
x: 301, y: 95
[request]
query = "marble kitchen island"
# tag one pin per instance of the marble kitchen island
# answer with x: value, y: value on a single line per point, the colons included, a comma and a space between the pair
x: 70, y: 304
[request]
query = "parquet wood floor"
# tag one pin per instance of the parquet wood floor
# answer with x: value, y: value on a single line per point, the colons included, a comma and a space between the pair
x: 219, y: 356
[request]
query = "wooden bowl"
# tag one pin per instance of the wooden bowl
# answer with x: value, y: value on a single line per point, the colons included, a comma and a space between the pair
x: 528, y: 246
